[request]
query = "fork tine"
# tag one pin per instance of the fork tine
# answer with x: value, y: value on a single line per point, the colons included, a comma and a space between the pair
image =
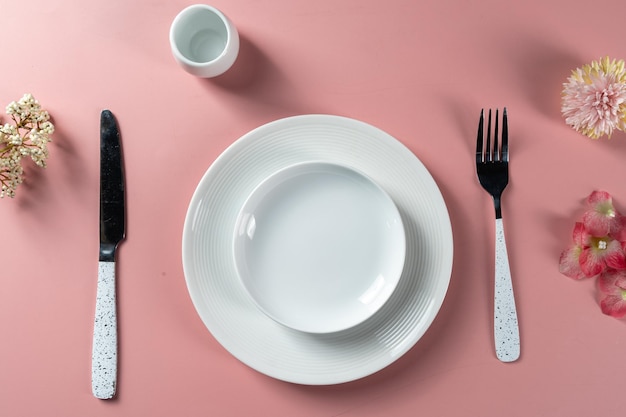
x: 496, y: 154
x: 505, y: 137
x: 488, y: 154
x: 479, y: 141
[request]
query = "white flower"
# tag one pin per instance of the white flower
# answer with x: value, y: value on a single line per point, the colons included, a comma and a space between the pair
x: 27, y: 136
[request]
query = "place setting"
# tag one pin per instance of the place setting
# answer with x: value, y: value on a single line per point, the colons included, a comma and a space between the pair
x: 317, y: 249
x: 312, y: 209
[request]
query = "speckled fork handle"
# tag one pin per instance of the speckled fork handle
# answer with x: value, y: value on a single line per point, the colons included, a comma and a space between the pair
x: 104, y: 359
x: 506, y: 331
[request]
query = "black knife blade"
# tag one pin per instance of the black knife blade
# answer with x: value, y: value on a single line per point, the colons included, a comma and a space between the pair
x: 112, y: 232
x: 112, y: 210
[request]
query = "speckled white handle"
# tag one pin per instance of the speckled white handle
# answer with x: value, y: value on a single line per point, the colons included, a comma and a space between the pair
x: 104, y: 358
x: 506, y: 331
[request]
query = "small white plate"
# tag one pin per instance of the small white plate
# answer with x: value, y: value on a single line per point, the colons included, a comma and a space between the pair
x: 319, y: 247
x: 228, y: 311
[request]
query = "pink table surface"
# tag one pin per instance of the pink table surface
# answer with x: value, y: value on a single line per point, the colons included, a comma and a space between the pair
x: 420, y: 70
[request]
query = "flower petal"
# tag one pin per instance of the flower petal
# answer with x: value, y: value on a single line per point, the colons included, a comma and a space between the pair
x: 599, y: 197
x: 614, y: 256
x: 601, y: 218
x: 580, y: 236
x: 613, y: 301
x: 614, y: 305
x: 569, y: 263
x: 606, y: 281
x: 590, y: 263
x: 620, y: 232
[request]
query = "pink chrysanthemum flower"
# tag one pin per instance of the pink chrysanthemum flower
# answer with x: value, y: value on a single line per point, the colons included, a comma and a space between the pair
x: 594, y: 98
x: 601, y: 219
x: 612, y: 286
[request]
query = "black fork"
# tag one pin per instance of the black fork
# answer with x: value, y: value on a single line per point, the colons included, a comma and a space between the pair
x: 492, y: 167
x: 492, y: 162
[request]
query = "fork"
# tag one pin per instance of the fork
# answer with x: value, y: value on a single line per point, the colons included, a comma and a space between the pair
x: 492, y: 167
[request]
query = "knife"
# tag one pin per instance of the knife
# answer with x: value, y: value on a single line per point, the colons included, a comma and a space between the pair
x: 112, y: 232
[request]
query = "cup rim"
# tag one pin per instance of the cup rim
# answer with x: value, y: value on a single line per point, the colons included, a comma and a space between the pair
x: 229, y: 35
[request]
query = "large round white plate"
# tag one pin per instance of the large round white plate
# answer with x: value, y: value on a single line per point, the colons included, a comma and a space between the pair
x: 232, y: 316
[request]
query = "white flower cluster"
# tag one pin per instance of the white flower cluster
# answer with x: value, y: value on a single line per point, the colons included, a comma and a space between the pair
x: 27, y: 136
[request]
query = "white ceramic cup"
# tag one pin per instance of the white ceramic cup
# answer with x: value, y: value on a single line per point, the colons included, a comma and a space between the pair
x: 204, y: 41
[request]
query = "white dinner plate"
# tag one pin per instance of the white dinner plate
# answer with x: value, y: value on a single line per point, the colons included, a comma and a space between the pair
x: 319, y: 247
x: 232, y: 316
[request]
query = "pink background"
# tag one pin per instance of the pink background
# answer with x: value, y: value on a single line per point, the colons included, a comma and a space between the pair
x: 420, y: 70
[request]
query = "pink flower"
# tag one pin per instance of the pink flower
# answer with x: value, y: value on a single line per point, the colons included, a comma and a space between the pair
x: 594, y: 98
x: 601, y: 253
x: 601, y: 219
x: 569, y: 263
x: 589, y: 256
x: 599, y: 250
x: 612, y: 286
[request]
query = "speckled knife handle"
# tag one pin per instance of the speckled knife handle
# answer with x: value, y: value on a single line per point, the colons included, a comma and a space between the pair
x: 506, y: 331
x: 104, y: 358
